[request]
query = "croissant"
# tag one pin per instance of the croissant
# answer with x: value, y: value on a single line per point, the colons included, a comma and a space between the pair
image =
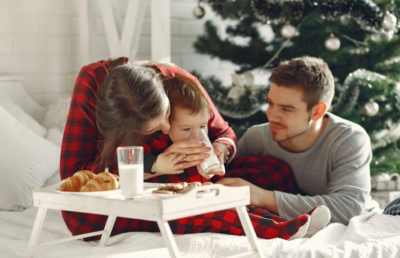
x: 75, y: 182
x: 103, y: 181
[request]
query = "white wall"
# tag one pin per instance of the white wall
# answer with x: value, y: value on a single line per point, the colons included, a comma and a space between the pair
x: 39, y: 40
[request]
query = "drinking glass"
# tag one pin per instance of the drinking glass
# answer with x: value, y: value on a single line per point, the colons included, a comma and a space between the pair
x: 212, y: 162
x: 130, y: 166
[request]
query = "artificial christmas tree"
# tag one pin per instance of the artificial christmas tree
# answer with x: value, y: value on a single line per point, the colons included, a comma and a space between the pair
x: 358, y: 39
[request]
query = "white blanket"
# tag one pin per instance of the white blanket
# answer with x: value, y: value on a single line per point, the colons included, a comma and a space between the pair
x: 370, y: 235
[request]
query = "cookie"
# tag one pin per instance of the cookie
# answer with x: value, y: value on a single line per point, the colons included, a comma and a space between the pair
x: 163, y: 187
x: 179, y: 188
x: 162, y: 192
x: 186, y: 189
x: 195, y: 184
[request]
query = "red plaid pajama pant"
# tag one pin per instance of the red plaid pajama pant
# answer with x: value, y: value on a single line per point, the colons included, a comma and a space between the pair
x: 266, y: 172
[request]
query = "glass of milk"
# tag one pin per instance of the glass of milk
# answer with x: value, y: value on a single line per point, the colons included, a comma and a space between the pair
x: 130, y: 166
x: 212, y: 162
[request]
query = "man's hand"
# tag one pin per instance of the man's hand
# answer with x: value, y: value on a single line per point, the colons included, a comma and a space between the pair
x: 258, y: 197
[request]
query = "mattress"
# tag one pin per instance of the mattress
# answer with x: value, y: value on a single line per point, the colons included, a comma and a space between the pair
x: 369, y: 235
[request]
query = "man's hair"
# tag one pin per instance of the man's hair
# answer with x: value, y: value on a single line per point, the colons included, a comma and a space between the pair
x: 186, y: 93
x: 310, y: 74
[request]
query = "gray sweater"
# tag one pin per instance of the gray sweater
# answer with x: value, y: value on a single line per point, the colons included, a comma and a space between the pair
x: 334, y: 172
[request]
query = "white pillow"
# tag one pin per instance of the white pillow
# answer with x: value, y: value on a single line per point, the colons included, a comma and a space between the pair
x: 57, y: 114
x: 20, y: 115
x: 55, y: 136
x: 26, y: 162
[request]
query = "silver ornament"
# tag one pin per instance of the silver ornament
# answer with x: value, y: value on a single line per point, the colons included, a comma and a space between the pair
x: 288, y: 31
x: 332, y: 43
x: 371, y: 108
x: 389, y: 21
x: 198, y: 12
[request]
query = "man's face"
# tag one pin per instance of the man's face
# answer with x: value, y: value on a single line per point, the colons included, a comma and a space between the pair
x: 287, y: 113
x: 185, y: 126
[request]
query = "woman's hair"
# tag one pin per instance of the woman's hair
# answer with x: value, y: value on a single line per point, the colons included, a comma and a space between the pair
x: 186, y: 93
x: 130, y: 96
x: 310, y: 74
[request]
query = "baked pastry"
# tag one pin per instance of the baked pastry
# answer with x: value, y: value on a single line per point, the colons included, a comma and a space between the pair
x: 172, y: 187
x: 179, y: 188
x: 103, y: 181
x: 75, y: 182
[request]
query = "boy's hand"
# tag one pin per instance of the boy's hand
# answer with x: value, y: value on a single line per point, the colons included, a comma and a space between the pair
x: 220, y: 150
x: 219, y: 172
x: 172, y: 163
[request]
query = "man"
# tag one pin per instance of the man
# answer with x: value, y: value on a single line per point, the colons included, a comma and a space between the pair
x: 329, y: 156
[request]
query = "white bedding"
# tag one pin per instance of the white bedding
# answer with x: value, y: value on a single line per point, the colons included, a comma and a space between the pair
x: 370, y: 235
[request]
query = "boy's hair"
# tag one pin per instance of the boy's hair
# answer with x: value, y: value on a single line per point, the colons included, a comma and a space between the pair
x: 186, y: 93
x: 310, y: 74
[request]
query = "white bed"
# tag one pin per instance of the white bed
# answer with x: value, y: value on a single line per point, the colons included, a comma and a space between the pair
x: 369, y: 235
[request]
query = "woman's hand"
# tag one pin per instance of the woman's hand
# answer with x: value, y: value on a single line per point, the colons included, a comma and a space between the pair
x: 169, y: 163
x: 179, y: 156
x: 196, y: 152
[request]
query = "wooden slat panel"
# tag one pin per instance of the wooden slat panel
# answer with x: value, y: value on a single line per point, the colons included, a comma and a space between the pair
x: 87, y: 31
x: 161, y: 30
x: 110, y: 28
x: 132, y: 27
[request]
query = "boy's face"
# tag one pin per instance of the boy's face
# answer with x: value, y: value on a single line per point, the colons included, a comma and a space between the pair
x: 185, y: 125
x: 287, y: 113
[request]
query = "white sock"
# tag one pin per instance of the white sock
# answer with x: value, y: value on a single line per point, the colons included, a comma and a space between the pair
x: 320, y: 217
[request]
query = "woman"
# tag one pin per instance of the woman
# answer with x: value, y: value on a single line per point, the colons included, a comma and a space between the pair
x: 115, y: 103
x: 130, y: 104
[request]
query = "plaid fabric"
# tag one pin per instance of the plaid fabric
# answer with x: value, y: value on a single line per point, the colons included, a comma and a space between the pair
x: 266, y: 224
x: 393, y: 208
x: 267, y: 172
x: 226, y: 222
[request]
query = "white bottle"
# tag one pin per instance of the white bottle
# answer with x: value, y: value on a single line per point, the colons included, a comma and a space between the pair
x: 211, y: 162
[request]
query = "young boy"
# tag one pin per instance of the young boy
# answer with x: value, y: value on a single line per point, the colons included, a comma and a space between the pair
x: 189, y: 115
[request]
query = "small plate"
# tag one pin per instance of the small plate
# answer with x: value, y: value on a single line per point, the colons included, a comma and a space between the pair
x: 92, y: 194
x: 199, y: 194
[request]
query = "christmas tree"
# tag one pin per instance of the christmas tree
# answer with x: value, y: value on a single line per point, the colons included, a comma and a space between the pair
x: 358, y: 39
